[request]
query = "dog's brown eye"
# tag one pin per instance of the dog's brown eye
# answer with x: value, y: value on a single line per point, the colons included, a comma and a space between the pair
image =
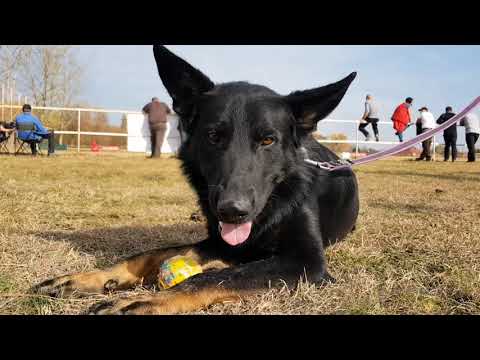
x: 213, y: 137
x: 269, y: 140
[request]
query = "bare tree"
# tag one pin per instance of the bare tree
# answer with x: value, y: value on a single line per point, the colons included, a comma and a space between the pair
x: 52, y: 76
x: 12, y: 59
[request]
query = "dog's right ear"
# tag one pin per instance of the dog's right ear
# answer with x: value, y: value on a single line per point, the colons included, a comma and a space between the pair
x: 182, y: 81
x: 311, y: 106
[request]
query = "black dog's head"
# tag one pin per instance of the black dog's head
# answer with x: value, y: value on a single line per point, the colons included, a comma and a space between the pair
x: 243, y: 139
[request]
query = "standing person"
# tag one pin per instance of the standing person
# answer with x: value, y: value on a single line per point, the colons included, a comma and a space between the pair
x: 370, y: 116
x: 427, y: 120
x: 40, y: 131
x: 157, y: 120
x: 449, y: 134
x: 402, y: 118
x: 472, y: 131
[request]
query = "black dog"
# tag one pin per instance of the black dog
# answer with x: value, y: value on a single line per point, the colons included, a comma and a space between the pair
x: 270, y: 215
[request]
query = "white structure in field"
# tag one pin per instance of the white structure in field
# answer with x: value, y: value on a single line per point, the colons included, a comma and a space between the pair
x: 139, y: 134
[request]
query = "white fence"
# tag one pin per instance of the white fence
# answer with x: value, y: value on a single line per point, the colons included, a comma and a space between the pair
x: 138, y: 133
x: 357, y: 142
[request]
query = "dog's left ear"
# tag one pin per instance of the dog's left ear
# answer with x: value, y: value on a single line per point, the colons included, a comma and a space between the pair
x: 311, y: 106
x: 182, y: 81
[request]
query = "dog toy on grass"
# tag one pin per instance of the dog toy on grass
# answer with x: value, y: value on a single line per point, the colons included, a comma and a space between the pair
x: 177, y: 269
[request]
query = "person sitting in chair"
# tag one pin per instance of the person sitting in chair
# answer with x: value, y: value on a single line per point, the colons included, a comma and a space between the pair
x: 36, y: 136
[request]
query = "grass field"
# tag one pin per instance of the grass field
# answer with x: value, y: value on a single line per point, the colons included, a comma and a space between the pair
x: 416, y: 249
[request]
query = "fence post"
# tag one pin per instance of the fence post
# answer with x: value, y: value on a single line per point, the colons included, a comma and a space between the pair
x: 356, y: 141
x: 434, y: 148
x: 78, y: 131
x: 11, y: 103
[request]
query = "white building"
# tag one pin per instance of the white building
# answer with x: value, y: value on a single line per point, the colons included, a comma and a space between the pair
x: 139, y: 134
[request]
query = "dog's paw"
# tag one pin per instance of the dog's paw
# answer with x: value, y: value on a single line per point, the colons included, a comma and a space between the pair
x: 143, y: 305
x: 58, y: 287
x: 324, y: 279
x: 82, y: 284
x: 329, y: 279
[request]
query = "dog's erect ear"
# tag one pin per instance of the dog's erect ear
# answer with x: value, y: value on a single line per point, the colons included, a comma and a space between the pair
x: 182, y: 81
x: 311, y: 106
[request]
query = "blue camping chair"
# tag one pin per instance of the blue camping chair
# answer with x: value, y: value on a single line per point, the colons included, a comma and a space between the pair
x: 27, y: 128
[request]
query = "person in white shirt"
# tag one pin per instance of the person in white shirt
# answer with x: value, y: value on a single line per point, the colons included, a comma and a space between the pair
x: 427, y: 121
x: 472, y: 131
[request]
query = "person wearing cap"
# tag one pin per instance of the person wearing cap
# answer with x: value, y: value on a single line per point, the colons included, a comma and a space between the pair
x: 40, y: 131
x: 402, y: 118
x: 370, y: 116
x: 449, y: 134
x: 427, y: 121
x: 472, y: 131
x: 157, y: 112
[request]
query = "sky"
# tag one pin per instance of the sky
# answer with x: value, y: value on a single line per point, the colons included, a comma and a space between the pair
x: 125, y: 77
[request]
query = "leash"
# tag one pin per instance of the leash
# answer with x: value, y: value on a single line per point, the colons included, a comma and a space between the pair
x: 345, y: 164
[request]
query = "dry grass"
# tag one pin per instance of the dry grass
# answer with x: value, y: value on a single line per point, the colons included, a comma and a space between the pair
x: 416, y: 248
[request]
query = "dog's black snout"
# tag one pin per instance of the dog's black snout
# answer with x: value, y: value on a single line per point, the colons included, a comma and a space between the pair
x: 233, y: 210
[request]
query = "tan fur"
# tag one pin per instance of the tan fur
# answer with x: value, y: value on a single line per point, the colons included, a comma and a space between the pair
x: 142, y: 269
x: 215, y: 265
x: 172, y: 302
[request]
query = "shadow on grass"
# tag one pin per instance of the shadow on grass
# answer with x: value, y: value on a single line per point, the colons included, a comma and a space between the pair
x: 123, y: 241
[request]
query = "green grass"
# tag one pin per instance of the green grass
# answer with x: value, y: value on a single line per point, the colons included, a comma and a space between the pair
x: 416, y: 249
x: 6, y: 285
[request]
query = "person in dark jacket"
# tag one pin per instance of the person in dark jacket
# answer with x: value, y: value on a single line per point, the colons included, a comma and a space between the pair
x: 157, y: 120
x: 449, y: 134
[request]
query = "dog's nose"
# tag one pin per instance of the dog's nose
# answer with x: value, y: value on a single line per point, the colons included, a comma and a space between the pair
x: 233, y: 210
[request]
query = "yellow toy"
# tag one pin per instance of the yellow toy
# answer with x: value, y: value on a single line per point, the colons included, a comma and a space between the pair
x: 177, y: 269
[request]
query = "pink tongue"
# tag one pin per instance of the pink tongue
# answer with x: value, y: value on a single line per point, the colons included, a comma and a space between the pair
x: 235, y: 234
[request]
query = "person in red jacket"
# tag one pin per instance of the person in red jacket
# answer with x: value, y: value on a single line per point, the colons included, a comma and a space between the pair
x: 402, y: 118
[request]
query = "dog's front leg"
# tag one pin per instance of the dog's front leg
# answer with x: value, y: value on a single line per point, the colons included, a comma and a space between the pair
x: 209, y: 288
x: 141, y: 269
